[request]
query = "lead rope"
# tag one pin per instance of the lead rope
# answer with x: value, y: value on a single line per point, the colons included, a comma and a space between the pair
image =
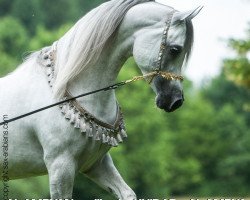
x: 166, y: 75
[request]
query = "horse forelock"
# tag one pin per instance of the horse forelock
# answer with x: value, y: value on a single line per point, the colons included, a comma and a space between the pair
x: 84, y: 43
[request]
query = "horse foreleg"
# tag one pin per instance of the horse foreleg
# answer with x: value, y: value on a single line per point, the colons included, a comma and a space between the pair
x: 61, y: 177
x: 105, y: 174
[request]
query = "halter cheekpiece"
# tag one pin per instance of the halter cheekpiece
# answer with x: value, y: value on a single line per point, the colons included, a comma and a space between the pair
x: 164, y: 40
x: 158, y: 69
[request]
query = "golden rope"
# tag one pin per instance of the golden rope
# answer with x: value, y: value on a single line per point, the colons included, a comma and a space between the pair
x: 150, y: 76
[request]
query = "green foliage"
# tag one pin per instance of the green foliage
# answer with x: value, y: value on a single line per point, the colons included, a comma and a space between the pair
x: 50, y: 14
x: 7, y: 64
x: 29, y: 188
x: 5, y: 6
x: 237, y: 69
x: 12, y: 42
x: 222, y: 91
x: 231, y: 170
x: 45, y: 37
x: 87, y: 5
x: 59, y: 12
x: 28, y: 12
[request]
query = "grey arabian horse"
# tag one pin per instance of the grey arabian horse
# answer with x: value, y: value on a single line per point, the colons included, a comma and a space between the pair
x: 89, y: 56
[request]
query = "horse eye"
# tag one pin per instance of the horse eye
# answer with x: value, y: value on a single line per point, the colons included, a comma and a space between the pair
x: 175, y: 50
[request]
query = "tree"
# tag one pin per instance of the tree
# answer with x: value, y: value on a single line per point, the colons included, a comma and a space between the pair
x: 237, y: 69
x: 29, y: 13
x: 221, y: 91
x: 59, y: 12
x: 231, y: 89
x: 45, y: 37
x: 12, y: 43
x: 4, y: 7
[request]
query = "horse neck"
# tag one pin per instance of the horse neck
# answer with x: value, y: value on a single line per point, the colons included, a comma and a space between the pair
x: 104, y: 72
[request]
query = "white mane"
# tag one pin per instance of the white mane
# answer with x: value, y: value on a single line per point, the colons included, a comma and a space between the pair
x: 82, y: 44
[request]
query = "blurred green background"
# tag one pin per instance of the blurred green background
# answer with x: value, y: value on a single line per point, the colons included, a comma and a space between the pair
x: 203, y: 149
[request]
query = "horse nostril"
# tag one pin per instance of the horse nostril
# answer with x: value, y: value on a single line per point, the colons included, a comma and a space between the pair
x: 169, y: 104
x: 176, y: 104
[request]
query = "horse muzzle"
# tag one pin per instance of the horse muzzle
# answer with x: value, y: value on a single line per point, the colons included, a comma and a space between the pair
x: 169, y: 102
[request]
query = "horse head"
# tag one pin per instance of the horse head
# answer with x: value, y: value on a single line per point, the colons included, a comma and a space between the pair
x: 165, y: 45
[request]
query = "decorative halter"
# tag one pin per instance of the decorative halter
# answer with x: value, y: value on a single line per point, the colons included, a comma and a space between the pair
x: 158, y: 70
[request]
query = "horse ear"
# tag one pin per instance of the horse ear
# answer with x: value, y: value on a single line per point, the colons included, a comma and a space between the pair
x: 188, y: 15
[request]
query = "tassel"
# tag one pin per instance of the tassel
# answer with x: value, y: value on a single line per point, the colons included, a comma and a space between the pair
x: 119, y: 138
x: 123, y: 133
x: 68, y: 114
x: 98, y: 136
x: 104, y: 138
x: 98, y: 133
x: 82, y: 126
x: 89, y: 131
x: 104, y: 131
x: 64, y: 109
x: 115, y: 143
x: 94, y: 129
x: 109, y: 140
x: 77, y: 123
x: 72, y: 118
x: 77, y: 120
